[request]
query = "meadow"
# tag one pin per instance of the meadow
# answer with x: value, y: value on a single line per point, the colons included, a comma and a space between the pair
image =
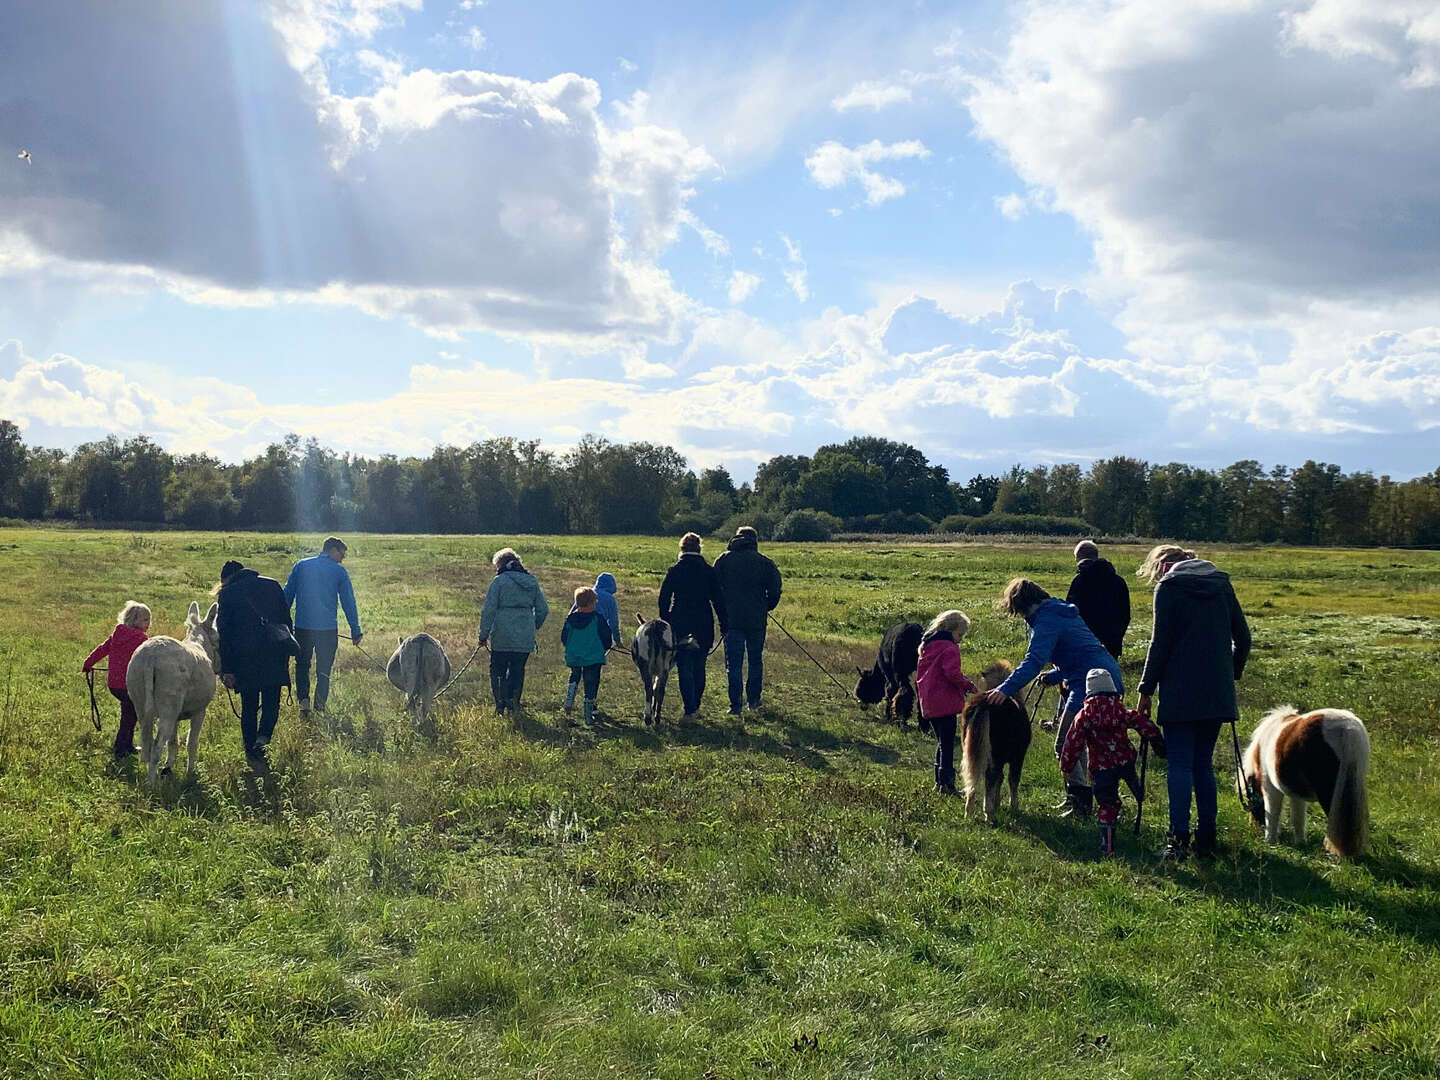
x: 780, y: 895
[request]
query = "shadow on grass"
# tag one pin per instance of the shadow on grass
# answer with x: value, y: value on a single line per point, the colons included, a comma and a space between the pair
x: 771, y: 733
x: 1282, y: 876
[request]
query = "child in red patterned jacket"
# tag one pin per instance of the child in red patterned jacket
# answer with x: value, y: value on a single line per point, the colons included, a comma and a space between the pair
x: 1102, y: 726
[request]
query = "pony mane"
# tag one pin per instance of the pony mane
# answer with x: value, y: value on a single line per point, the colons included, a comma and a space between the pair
x: 1280, y: 712
x: 994, y: 673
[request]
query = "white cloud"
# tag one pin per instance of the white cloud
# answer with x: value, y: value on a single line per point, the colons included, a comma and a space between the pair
x: 474, y: 38
x: 629, y: 67
x: 1013, y: 206
x: 743, y: 286
x: 459, y: 200
x: 1251, y: 156
x: 796, y: 272
x: 874, y: 95
x: 834, y: 165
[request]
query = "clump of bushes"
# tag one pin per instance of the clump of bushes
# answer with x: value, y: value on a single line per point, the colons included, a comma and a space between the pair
x: 991, y: 524
x: 895, y: 521
x: 807, y: 525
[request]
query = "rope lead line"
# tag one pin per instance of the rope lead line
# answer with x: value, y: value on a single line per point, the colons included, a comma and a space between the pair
x: 817, y: 663
x: 462, y: 671
x: 94, y: 705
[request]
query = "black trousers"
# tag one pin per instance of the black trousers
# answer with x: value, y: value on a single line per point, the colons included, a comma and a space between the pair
x: 590, y: 676
x: 944, y: 729
x: 264, y: 701
x: 507, y: 678
x: 125, y: 737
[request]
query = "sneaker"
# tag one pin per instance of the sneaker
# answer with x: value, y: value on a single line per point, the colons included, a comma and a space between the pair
x: 690, y: 718
x: 735, y: 713
x: 1107, y: 840
x: 1177, y: 847
x: 304, y: 709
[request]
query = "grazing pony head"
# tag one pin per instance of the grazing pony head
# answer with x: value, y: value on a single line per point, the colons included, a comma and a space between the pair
x: 202, y: 631
x: 870, y: 687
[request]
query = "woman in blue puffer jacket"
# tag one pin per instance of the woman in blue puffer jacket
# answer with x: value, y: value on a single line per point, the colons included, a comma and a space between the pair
x: 1058, y: 635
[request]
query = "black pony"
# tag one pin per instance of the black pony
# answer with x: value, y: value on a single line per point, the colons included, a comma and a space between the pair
x: 889, y: 680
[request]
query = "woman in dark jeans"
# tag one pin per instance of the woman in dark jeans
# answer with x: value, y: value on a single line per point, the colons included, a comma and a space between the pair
x: 253, y: 661
x: 689, y: 594
x: 1198, y: 647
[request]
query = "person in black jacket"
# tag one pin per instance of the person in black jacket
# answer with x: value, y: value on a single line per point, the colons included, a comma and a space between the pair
x: 1198, y: 647
x: 751, y: 585
x: 1102, y: 597
x: 688, y: 596
x: 254, y: 661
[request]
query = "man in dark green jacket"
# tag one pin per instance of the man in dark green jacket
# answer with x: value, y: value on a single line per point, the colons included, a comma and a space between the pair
x: 751, y: 584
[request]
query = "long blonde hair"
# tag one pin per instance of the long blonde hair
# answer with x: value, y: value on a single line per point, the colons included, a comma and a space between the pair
x: 956, y: 622
x: 1159, y: 559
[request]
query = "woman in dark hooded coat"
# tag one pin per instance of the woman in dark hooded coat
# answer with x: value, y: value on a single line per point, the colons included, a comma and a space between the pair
x: 254, y: 659
x: 688, y: 595
x: 1198, y: 647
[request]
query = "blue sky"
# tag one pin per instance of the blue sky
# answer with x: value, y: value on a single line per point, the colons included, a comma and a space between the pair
x: 1038, y: 232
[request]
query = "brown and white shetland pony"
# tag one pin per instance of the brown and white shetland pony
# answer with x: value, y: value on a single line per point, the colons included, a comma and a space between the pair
x: 1319, y: 756
x: 996, y: 737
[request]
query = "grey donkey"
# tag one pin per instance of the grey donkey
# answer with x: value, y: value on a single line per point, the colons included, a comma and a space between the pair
x: 420, y: 669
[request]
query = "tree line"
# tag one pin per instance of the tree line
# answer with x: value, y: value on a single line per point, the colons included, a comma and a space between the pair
x: 868, y: 484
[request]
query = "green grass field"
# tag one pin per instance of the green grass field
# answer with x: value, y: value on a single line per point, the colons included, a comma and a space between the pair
x: 532, y: 900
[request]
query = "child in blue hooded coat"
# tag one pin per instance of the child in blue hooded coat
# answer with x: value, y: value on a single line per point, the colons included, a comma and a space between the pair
x: 587, y: 638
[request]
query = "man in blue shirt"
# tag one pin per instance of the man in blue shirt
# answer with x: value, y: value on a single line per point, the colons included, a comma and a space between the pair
x: 315, y: 586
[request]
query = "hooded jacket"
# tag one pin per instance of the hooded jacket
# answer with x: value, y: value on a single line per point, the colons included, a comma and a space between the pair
x: 750, y: 583
x: 119, y: 647
x: 586, y: 637
x: 690, y: 592
x: 514, y: 609
x: 1198, y: 645
x: 1058, y: 635
x: 606, y: 604
x: 246, y: 648
x: 1104, y: 602
x: 939, y: 681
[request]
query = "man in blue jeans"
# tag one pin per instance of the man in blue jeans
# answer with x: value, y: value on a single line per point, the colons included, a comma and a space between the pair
x: 315, y: 586
x: 751, y: 585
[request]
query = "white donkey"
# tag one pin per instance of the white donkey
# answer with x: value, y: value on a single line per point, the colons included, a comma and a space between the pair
x: 168, y: 680
x: 419, y: 668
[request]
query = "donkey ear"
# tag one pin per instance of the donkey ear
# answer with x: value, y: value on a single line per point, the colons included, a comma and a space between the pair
x: 640, y: 618
x: 859, y: 672
x: 194, y: 612
x: 210, y: 615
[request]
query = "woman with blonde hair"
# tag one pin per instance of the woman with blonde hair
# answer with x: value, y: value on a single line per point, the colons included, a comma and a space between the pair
x: 1057, y: 635
x: 514, y: 610
x: 942, y: 686
x: 1199, y: 643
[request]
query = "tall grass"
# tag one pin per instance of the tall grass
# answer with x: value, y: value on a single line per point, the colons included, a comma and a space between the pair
x: 777, y: 896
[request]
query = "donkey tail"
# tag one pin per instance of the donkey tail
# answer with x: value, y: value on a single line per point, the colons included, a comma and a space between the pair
x: 977, y: 748
x: 1347, y: 822
x: 140, y: 686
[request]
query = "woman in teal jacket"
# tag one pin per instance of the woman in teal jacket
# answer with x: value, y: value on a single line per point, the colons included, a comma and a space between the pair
x: 514, y: 609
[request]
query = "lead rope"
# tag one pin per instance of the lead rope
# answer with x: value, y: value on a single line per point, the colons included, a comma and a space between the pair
x: 843, y: 689
x: 94, y: 705
x: 462, y: 671
x: 373, y: 662
x: 1239, y: 770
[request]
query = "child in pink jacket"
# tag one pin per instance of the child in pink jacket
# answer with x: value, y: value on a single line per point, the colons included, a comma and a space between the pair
x: 942, y: 687
x: 130, y: 633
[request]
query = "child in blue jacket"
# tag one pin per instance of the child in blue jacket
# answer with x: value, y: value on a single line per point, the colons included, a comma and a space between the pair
x: 586, y: 636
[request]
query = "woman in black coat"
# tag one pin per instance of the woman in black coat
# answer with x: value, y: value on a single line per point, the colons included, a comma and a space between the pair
x: 1199, y: 643
x: 689, y: 594
x: 254, y: 661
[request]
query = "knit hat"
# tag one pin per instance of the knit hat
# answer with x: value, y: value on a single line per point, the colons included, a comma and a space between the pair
x: 1098, y: 681
x: 230, y: 569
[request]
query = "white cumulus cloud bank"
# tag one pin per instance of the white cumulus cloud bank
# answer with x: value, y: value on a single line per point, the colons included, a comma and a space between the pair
x: 833, y: 165
x: 199, y: 142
